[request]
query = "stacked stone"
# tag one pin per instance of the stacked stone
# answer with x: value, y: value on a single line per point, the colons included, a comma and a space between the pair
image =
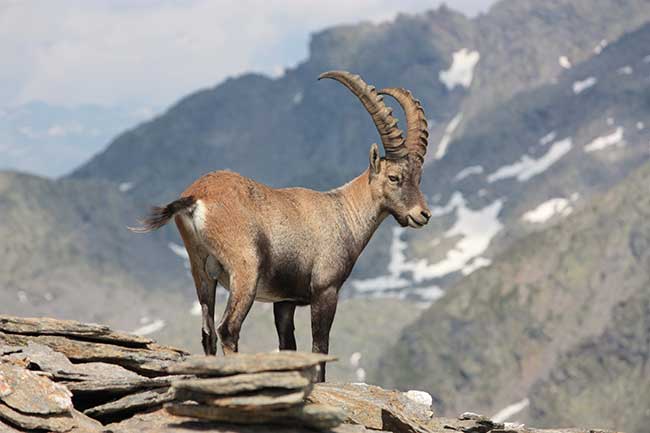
x: 46, y: 365
x: 268, y: 388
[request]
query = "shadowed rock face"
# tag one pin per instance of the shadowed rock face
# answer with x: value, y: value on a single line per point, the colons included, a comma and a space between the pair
x: 43, y: 388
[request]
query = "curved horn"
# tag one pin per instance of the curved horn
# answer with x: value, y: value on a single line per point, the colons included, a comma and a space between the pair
x: 417, y: 131
x: 391, y: 135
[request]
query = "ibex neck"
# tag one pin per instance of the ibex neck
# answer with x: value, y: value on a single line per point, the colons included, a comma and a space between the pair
x: 363, y: 212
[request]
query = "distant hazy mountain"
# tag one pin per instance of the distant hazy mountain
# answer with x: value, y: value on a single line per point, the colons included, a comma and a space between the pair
x: 295, y: 131
x: 559, y: 320
x: 50, y: 140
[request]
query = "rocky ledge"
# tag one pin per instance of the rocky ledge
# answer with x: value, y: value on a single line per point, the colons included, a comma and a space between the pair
x: 66, y: 376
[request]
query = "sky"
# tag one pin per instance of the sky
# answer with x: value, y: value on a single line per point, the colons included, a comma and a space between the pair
x: 149, y: 53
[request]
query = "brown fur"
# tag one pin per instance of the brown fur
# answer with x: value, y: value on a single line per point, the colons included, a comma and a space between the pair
x: 291, y: 246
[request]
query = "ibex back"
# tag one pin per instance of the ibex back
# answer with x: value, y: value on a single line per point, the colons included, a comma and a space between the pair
x: 296, y: 246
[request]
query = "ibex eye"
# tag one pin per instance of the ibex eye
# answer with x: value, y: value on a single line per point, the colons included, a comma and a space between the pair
x: 393, y: 178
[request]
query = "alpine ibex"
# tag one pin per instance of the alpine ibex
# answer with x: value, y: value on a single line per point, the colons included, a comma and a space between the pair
x: 296, y: 246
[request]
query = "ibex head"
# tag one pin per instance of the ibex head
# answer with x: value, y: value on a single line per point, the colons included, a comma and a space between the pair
x: 395, y: 178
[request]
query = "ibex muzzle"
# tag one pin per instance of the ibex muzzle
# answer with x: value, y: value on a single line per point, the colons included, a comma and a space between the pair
x: 296, y: 246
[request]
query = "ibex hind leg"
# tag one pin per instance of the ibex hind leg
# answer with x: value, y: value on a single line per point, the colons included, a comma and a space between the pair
x: 205, y: 283
x: 206, y: 290
x: 283, y: 313
x: 243, y: 287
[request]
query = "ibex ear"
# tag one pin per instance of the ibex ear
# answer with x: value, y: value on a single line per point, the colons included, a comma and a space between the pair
x: 375, y: 159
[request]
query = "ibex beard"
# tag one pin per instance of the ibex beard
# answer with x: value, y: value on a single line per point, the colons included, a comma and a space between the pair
x: 295, y: 246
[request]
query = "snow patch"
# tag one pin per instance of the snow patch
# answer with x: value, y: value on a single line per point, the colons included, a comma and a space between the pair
x: 360, y: 374
x: 601, y: 46
x: 509, y: 411
x: 477, y: 263
x: 150, y: 328
x: 446, y: 138
x: 527, y: 167
x: 297, y: 98
x: 548, y: 209
x: 196, y: 309
x: 640, y: 126
x: 548, y: 138
x: 468, y: 171
x: 564, y: 62
x: 125, y: 186
x: 22, y: 297
x: 461, y: 71
x: 610, y: 121
x: 355, y: 358
x: 179, y: 250
x: 625, y: 70
x: 646, y: 59
x: 582, y: 85
x: 600, y: 143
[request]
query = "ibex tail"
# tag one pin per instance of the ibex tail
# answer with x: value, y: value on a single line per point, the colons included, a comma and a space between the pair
x: 159, y: 216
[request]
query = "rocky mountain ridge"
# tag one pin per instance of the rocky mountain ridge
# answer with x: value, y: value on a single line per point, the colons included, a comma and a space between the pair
x: 66, y: 376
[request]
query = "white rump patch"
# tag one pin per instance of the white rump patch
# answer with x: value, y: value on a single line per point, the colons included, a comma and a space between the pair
x: 150, y: 328
x: 446, y: 138
x: 547, y: 210
x: 461, y: 71
x: 468, y: 171
x: 582, y: 85
x: 509, y: 411
x: 527, y: 167
x: 199, y: 215
x: 564, y: 62
x: 600, y: 143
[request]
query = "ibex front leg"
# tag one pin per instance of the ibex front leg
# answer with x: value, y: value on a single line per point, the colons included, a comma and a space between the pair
x: 323, y: 309
x: 243, y: 287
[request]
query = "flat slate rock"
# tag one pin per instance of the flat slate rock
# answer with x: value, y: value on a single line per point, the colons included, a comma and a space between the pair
x: 71, y: 328
x: 157, y: 361
x: 238, y: 383
x: 161, y: 421
x: 311, y: 415
x: 30, y: 393
x: 132, y: 403
x: 372, y: 406
x: 53, y: 422
x: 248, y: 363
x: 262, y: 399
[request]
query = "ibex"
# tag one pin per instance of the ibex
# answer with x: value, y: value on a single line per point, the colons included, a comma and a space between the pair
x: 295, y: 246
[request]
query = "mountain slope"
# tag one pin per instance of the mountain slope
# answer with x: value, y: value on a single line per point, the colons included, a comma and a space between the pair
x: 319, y: 136
x: 604, y: 380
x: 64, y: 248
x: 502, y: 329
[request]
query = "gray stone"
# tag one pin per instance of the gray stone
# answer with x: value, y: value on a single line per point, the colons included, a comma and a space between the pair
x: 71, y: 328
x: 311, y: 415
x: 371, y: 406
x: 156, y: 358
x: 30, y: 393
x: 52, y: 422
x: 248, y: 363
x: 132, y: 403
x: 262, y: 399
x: 247, y: 382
